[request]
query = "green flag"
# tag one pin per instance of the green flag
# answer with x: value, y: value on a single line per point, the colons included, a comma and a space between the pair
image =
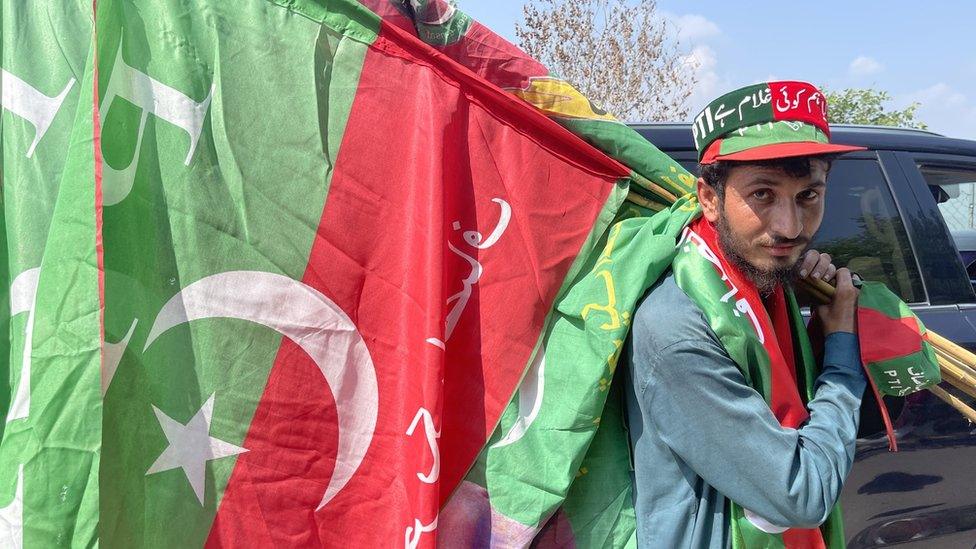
x: 49, y: 452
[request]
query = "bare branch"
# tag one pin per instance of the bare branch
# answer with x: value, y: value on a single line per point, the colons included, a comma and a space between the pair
x: 624, y: 58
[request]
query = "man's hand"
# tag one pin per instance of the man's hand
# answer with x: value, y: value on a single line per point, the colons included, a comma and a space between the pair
x: 817, y: 265
x: 840, y: 315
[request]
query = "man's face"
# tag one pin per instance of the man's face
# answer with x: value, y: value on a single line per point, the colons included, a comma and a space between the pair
x: 766, y: 219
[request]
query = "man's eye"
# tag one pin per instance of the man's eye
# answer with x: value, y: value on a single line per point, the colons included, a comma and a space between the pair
x: 809, y: 195
x: 761, y: 194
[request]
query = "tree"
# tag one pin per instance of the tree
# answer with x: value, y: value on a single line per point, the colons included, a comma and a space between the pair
x: 868, y: 106
x: 623, y: 58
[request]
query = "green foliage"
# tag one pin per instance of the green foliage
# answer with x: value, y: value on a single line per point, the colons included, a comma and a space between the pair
x: 869, y: 106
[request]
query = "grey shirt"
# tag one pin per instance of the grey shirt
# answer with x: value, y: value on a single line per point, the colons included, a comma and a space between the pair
x: 700, y: 434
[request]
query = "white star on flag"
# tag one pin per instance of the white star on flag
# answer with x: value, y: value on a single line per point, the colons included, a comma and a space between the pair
x: 191, y: 447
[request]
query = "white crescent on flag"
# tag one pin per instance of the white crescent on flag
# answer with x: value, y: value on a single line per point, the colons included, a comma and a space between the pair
x: 316, y: 324
x: 531, y: 393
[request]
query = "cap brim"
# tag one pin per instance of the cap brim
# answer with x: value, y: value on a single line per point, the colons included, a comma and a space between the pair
x: 777, y: 150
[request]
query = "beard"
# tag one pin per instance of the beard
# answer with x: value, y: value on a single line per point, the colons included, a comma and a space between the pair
x: 765, y: 280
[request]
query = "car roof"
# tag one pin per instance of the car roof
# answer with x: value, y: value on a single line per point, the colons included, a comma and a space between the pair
x: 677, y: 137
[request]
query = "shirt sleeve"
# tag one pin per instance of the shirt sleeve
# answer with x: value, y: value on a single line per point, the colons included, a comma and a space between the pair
x: 704, y: 410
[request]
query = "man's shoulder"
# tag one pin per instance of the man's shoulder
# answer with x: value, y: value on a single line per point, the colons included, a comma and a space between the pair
x: 666, y: 316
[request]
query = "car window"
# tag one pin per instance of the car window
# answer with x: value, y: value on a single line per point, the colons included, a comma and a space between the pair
x: 954, y: 190
x: 863, y: 230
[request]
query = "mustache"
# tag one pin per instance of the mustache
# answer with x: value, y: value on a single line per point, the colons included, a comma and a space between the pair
x: 782, y: 241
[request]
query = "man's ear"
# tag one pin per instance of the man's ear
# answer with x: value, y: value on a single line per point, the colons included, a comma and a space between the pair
x: 708, y: 199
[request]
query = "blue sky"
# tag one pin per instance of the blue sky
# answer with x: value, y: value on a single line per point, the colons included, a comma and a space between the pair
x: 917, y: 51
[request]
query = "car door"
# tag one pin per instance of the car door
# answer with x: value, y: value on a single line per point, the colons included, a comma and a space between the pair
x: 883, y: 222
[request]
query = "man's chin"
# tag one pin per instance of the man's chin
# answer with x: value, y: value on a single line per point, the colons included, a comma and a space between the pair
x: 777, y: 258
x: 759, y: 263
x: 779, y: 263
x: 769, y: 271
x: 774, y: 262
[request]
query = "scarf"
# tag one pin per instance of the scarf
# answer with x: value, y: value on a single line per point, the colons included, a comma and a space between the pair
x: 769, y: 343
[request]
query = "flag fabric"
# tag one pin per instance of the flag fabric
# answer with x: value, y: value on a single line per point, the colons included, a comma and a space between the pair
x: 560, y: 452
x: 330, y: 255
x: 894, y: 347
x: 558, y: 466
x: 657, y: 180
x: 895, y: 350
x: 51, y: 414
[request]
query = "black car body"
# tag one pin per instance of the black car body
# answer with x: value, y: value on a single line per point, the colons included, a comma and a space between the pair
x: 891, y: 214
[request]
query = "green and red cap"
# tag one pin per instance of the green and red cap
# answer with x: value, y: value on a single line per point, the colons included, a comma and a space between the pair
x: 765, y: 121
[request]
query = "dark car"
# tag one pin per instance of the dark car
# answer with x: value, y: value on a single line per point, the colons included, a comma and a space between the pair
x: 892, y: 212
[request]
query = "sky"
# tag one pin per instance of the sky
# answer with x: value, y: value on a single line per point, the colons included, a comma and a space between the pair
x: 916, y: 51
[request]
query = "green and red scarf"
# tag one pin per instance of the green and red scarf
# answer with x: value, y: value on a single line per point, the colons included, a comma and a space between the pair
x: 768, y: 340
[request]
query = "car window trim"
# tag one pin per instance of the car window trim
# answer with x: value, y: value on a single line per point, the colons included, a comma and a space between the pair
x: 886, y: 173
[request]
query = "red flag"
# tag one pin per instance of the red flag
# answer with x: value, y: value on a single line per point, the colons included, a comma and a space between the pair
x: 453, y: 218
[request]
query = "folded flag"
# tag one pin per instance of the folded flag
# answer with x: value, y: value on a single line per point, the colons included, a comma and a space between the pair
x: 893, y: 341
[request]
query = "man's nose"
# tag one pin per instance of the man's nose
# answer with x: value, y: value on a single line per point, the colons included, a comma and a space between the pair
x: 786, y: 221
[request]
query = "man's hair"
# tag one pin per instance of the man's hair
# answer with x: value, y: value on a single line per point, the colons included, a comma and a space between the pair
x: 716, y: 173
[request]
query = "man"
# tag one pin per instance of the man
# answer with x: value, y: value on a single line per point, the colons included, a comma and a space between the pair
x: 737, y: 441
